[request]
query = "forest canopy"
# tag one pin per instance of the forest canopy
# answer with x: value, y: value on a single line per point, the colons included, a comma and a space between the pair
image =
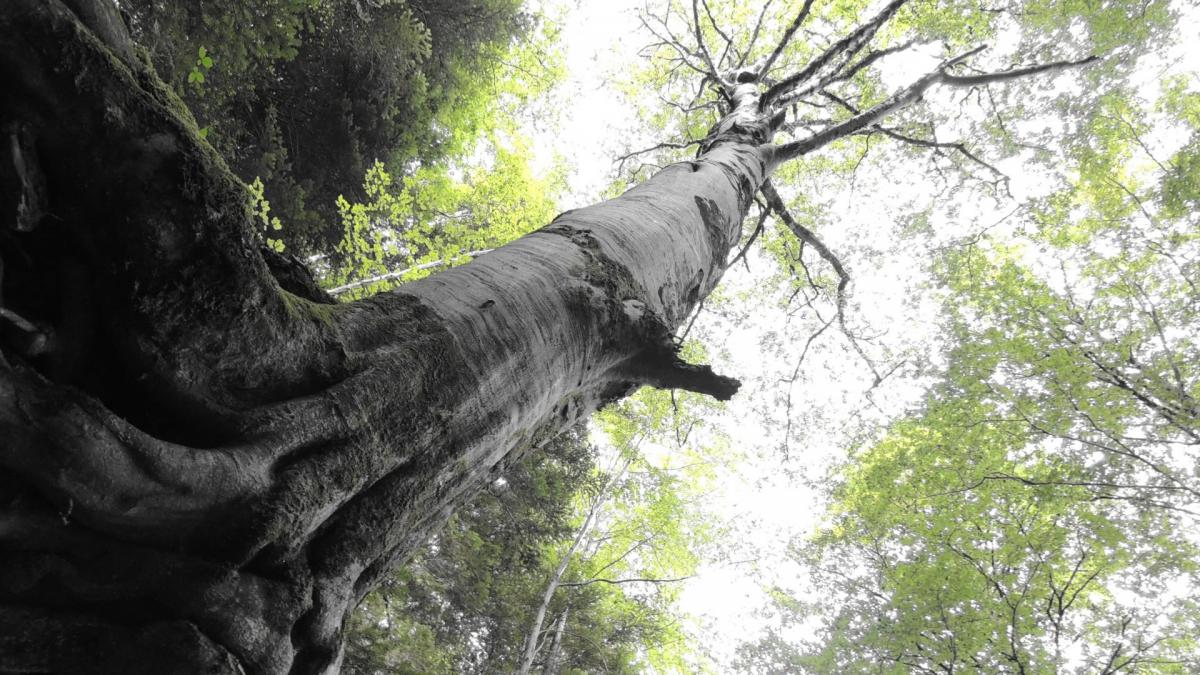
x: 962, y: 303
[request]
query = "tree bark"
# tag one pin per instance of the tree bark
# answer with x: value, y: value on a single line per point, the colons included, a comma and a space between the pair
x: 554, y: 658
x: 203, y: 464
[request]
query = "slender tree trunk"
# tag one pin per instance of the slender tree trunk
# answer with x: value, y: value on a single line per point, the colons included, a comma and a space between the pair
x: 203, y: 465
x: 554, y: 658
x: 539, y: 616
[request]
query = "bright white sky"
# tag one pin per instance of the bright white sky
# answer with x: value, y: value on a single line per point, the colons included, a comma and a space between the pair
x: 771, y: 500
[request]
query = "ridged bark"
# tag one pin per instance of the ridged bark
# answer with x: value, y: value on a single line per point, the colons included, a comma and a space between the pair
x: 201, y: 471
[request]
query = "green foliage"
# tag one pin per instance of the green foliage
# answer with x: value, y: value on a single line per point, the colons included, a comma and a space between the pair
x: 260, y: 213
x: 960, y: 541
x: 1034, y: 515
x: 307, y: 95
x: 466, y: 603
x: 463, y: 604
x: 1180, y: 187
x: 429, y: 220
x: 629, y: 534
x: 204, y: 63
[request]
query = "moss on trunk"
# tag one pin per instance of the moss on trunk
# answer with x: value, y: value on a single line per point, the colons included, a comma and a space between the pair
x: 199, y: 459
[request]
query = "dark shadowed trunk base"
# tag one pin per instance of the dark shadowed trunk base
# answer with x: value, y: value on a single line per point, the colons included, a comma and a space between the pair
x: 204, y: 464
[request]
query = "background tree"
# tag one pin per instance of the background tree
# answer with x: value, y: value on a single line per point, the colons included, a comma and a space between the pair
x: 1036, y: 514
x: 468, y: 595
x: 206, y: 462
x: 413, y: 225
x: 306, y: 96
x: 594, y: 554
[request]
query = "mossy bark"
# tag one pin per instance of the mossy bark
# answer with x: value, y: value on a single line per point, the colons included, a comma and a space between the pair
x: 202, y: 470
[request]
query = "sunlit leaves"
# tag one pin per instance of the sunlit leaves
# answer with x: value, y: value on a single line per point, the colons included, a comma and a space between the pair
x: 1036, y: 513
x: 399, y: 82
x: 429, y: 220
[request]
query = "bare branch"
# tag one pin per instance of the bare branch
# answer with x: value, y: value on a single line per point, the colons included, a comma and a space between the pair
x: 841, y: 75
x: 723, y: 34
x: 804, y: 234
x: 615, y: 582
x: 671, y: 372
x: 712, y: 67
x: 685, y: 55
x: 807, y: 236
x: 865, y: 119
x: 787, y: 434
x: 868, y: 60
x: 783, y: 41
x: 957, y: 146
x: 345, y: 288
x: 695, y: 315
x: 1012, y: 74
x: 910, y: 94
x: 686, y: 108
x: 754, y: 34
x: 850, y: 45
x: 758, y: 228
x: 666, y: 145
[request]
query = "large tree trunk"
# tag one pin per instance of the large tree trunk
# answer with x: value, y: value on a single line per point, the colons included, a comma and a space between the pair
x: 203, y: 472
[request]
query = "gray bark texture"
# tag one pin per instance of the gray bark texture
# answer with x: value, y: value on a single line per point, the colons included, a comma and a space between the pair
x: 204, y: 463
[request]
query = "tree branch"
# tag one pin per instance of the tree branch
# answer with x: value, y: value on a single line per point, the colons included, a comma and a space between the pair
x: 908, y: 95
x: 676, y: 373
x: 850, y: 44
x: 957, y: 146
x: 843, y: 75
x: 714, y: 72
x: 1012, y: 74
x: 865, y: 119
x: 807, y: 236
x: 728, y: 41
x: 615, y: 582
x: 758, y: 228
x: 754, y: 35
x: 783, y: 41
x: 685, y: 55
x: 666, y: 145
x: 387, y: 276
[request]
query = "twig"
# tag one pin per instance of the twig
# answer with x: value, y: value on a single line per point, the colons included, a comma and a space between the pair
x: 754, y: 36
x: 666, y: 145
x: 627, y: 581
x: 783, y: 41
x: 851, y: 43
x: 807, y: 236
x: 758, y: 228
